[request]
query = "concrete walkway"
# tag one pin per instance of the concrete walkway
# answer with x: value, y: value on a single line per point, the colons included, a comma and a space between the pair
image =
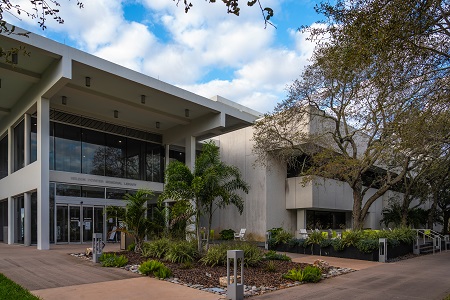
x: 54, y: 274
x: 425, y: 277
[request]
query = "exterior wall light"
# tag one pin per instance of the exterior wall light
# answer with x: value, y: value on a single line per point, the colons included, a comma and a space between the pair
x: 143, y: 99
x: 116, y: 114
x: 158, y: 125
x: 186, y: 113
x: 88, y: 81
x: 64, y: 100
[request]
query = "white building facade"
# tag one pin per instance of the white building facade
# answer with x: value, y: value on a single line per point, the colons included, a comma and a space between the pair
x: 78, y: 132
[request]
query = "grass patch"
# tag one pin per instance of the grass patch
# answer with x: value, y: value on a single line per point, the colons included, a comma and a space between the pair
x: 9, y: 290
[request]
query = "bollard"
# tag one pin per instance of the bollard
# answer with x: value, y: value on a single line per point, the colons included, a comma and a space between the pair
x: 382, y: 250
x: 266, y: 245
x: 97, y: 246
x: 235, y: 290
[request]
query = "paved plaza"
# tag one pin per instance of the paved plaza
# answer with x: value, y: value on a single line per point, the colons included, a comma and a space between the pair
x: 54, y: 274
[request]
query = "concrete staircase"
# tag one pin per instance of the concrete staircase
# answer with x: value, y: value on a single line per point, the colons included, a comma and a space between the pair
x: 430, y: 241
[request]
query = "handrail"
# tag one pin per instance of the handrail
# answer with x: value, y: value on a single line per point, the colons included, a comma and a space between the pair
x: 432, y: 235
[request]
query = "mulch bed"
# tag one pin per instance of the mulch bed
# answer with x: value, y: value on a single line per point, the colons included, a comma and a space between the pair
x: 207, y: 276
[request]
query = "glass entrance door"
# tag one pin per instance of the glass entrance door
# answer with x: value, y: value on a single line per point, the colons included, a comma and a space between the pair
x: 75, y: 224
x: 88, y: 223
x: 62, y: 229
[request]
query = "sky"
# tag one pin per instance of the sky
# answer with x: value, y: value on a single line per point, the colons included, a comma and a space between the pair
x: 205, y: 51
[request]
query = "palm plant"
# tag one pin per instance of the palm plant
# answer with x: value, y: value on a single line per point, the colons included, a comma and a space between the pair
x: 211, y: 185
x: 135, y: 217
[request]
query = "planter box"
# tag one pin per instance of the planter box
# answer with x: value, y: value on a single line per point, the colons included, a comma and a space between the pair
x: 349, y: 252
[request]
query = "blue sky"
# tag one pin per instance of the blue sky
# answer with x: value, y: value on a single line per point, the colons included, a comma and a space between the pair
x: 206, y: 51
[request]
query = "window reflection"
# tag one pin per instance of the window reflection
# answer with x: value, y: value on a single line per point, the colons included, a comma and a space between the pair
x: 4, y: 157
x: 67, y: 148
x: 93, y: 152
x: 115, y: 156
x: 19, y: 146
x: 80, y: 150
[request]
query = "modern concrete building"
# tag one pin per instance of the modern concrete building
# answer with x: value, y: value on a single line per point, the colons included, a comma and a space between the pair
x: 279, y: 197
x: 78, y: 132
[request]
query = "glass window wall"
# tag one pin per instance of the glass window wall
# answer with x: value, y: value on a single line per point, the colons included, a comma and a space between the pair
x: 19, y: 146
x: 67, y: 148
x: 4, y: 157
x: 68, y: 190
x: 93, y: 152
x: 33, y: 140
x: 115, y: 156
x: 80, y: 150
x: 92, y: 192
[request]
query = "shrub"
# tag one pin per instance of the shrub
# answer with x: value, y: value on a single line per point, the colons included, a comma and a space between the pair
x: 217, y: 255
x: 270, y: 266
x: 308, y: 274
x: 112, y: 260
x: 315, y: 237
x: 252, y: 254
x: 227, y: 234
x: 297, y: 242
x: 131, y: 247
x: 367, y: 246
x: 283, y: 237
x: 325, y: 243
x: 156, y: 248
x: 337, y: 244
x: 351, y: 237
x: 181, y: 252
x: 272, y: 255
x: 158, y: 269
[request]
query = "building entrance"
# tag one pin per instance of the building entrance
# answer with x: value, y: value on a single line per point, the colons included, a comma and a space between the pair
x: 76, y: 223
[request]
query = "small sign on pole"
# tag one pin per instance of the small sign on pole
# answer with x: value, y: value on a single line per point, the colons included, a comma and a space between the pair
x: 97, y: 246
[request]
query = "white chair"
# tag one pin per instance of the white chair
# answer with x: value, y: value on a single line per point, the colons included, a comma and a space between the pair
x: 240, y: 235
x: 302, y: 234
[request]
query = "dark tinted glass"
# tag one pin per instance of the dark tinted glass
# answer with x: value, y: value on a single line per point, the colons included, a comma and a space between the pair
x: 4, y: 157
x: 93, y: 152
x: 115, y: 153
x: 19, y: 146
x: 67, y: 148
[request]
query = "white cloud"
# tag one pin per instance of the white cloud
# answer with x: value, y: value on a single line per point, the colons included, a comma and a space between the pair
x: 192, y: 46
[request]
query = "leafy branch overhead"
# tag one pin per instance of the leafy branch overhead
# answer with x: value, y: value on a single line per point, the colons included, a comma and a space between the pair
x: 233, y: 8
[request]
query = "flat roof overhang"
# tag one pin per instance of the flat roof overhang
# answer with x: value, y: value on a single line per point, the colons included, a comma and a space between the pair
x: 112, y: 88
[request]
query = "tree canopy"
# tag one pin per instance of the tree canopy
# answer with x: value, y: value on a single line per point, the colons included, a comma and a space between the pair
x: 373, y: 104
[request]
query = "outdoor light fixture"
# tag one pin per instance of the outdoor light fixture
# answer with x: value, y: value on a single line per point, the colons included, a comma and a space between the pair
x: 186, y: 113
x: 143, y: 99
x: 116, y: 114
x: 64, y: 100
x: 88, y: 81
x: 158, y: 125
x: 15, y: 58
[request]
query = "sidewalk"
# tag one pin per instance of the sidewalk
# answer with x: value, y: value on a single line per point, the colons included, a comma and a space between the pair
x: 425, y: 277
x: 54, y: 274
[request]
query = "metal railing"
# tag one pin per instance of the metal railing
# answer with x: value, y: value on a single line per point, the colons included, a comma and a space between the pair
x: 432, y: 236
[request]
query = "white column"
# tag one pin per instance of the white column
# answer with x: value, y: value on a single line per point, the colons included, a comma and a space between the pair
x: 27, y: 141
x: 190, y: 152
x: 27, y: 220
x: 190, y: 162
x: 11, y: 220
x: 43, y: 195
x: 301, y: 219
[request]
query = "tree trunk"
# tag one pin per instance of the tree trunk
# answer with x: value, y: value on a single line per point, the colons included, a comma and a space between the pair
x: 358, y: 220
x: 208, y: 227
x: 432, y: 212
x: 446, y: 218
x: 405, y: 208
